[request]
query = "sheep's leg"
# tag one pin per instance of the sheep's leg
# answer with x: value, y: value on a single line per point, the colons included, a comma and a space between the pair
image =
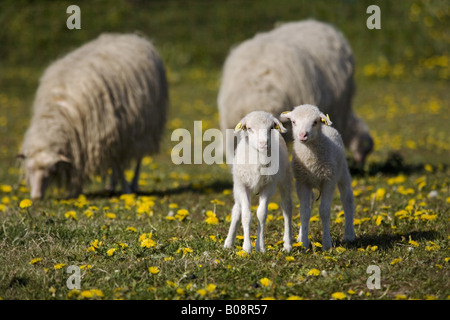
x: 112, y: 181
x: 324, y: 212
x: 261, y: 214
x: 134, y: 182
x: 246, y: 217
x: 235, y: 219
x: 346, y: 195
x: 304, y: 195
x: 286, y: 207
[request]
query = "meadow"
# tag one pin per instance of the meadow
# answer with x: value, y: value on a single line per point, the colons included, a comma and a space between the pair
x: 166, y: 241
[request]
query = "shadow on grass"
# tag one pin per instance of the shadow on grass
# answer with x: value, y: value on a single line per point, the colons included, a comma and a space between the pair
x: 215, y: 186
x: 388, y: 241
x: 393, y: 165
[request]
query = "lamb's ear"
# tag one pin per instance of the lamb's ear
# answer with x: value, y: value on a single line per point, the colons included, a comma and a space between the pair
x: 240, y: 126
x: 325, y: 119
x: 285, y: 116
x: 279, y: 126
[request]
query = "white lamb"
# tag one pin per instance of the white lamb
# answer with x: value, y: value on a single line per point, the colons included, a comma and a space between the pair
x: 255, y: 171
x: 319, y: 162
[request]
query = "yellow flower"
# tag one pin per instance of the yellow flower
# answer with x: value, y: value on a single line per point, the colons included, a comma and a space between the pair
x: 380, y: 193
x: 210, y: 287
x: 211, y: 218
x: 184, y: 250
x: 35, y: 260
x: 202, y: 292
x: 317, y: 244
x: 272, y: 206
x: 181, y: 214
x: 340, y: 249
x: 59, y: 266
x: 153, y: 270
x: 338, y: 295
x: 110, y: 215
x: 132, y: 229
x: 395, y: 261
x: 294, y: 298
x: 217, y: 202
x: 147, y: 243
x: 413, y: 243
x: 88, y: 213
x: 265, y: 282
x: 428, y: 167
x: 242, y: 254
x: 25, y: 203
x: 71, y: 215
x: 111, y: 251
x: 313, y: 272
x: 290, y: 258
x: 173, y: 206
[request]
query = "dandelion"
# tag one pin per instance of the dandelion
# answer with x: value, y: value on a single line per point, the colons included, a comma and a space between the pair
x: 218, y: 202
x: 153, y: 270
x: 380, y: 193
x: 211, y: 218
x: 201, y: 292
x: 181, y: 214
x: 173, y: 206
x: 272, y: 206
x: 413, y: 243
x: 58, y: 266
x: 184, y: 250
x: 294, y: 298
x: 395, y: 261
x: 88, y: 213
x: 400, y: 297
x: 110, y: 215
x: 290, y: 258
x: 35, y: 260
x: 25, y: 203
x: 340, y: 249
x: 317, y: 244
x: 265, y: 282
x: 132, y: 229
x: 242, y: 254
x: 338, y: 295
x: 111, y: 251
x: 210, y: 287
x: 313, y: 272
x: 71, y: 215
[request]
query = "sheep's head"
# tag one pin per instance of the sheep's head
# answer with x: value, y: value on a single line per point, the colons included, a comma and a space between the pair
x: 40, y: 169
x: 306, y: 121
x: 258, y: 126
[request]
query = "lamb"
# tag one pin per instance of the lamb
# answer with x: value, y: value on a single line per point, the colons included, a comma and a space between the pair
x: 252, y: 173
x: 296, y: 63
x: 99, y: 107
x: 319, y: 162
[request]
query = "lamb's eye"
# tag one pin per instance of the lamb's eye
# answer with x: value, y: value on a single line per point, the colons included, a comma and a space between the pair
x: 250, y: 130
x: 293, y: 122
x: 315, y: 123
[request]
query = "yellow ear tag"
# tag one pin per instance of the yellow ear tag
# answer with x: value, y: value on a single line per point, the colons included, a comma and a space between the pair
x: 325, y: 120
x: 277, y: 127
x: 238, y: 126
x: 284, y: 112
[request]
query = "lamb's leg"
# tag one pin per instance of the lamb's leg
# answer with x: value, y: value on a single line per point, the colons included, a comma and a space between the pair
x: 286, y: 207
x: 346, y: 195
x: 235, y: 219
x: 246, y: 218
x: 304, y: 195
x: 261, y: 214
x: 134, y: 182
x: 324, y: 212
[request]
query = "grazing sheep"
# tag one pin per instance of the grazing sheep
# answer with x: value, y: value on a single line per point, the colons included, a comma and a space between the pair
x: 319, y: 162
x: 97, y: 108
x: 251, y: 173
x: 296, y: 63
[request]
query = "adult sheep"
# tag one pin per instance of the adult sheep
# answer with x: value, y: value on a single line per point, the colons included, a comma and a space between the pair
x: 99, y: 107
x: 307, y: 62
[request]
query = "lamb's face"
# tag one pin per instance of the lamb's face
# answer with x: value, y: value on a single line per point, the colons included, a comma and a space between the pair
x: 306, y: 121
x: 259, y: 125
x: 40, y: 169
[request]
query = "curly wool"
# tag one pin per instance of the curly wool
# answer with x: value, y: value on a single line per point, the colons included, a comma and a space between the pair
x: 101, y: 106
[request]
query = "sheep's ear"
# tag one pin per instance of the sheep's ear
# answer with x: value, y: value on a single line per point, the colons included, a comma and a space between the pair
x: 63, y: 158
x: 325, y: 119
x: 285, y: 116
x: 279, y: 126
x: 240, y: 126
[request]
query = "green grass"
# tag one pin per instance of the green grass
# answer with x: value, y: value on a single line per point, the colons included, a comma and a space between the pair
x: 406, y: 111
